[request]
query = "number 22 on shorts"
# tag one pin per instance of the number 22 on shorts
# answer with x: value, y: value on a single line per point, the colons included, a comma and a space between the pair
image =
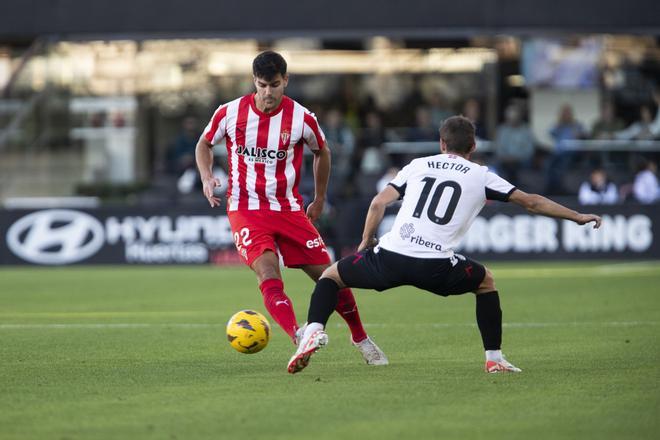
x: 242, y: 238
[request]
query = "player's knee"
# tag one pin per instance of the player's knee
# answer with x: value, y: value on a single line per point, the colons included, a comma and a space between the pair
x: 488, y: 283
x: 332, y: 273
x: 266, y: 272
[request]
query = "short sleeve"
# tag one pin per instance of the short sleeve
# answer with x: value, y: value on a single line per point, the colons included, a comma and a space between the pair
x: 400, y: 181
x: 216, y: 128
x: 498, y: 188
x: 312, y: 133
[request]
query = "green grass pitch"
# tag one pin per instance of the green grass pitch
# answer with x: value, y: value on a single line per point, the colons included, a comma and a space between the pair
x: 140, y: 353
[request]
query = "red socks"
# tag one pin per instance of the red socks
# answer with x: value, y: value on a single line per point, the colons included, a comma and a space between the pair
x: 348, y: 310
x: 279, y: 305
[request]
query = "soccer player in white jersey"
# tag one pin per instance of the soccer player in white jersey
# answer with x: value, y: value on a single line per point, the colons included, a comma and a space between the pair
x: 442, y: 195
x: 265, y: 134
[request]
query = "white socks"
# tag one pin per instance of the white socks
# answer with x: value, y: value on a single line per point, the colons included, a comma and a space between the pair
x: 494, y: 355
x: 311, y: 328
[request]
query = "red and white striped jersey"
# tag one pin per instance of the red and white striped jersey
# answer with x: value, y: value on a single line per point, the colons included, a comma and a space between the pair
x: 265, y: 152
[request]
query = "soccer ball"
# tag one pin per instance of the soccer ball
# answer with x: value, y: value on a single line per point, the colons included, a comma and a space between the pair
x: 248, y: 331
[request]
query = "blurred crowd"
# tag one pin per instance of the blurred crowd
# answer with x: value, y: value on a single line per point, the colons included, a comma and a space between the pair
x: 363, y: 162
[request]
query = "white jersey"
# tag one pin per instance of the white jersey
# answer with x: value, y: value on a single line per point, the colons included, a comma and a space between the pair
x: 442, y: 195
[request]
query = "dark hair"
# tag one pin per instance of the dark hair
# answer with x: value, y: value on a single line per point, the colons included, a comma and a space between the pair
x: 642, y: 163
x: 268, y: 64
x: 458, y: 134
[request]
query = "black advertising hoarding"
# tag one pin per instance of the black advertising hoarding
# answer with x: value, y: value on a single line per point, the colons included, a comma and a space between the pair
x: 115, y: 236
x: 510, y: 233
x: 199, y: 236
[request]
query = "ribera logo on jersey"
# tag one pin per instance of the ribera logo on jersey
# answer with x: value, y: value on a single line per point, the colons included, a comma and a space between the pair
x: 56, y: 236
x: 406, y: 230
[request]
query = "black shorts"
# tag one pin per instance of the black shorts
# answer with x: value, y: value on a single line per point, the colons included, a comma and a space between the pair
x: 384, y: 270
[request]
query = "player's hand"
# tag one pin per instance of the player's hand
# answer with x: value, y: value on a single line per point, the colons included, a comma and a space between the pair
x: 583, y: 219
x: 366, y: 244
x: 315, y: 209
x: 208, y: 185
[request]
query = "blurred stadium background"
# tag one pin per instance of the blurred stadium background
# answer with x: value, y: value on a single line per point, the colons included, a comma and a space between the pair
x: 101, y: 104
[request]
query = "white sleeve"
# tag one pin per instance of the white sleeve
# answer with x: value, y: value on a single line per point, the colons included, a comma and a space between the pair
x: 497, y: 188
x: 312, y: 133
x: 401, y: 179
x: 585, y: 195
x: 611, y: 195
x: 216, y: 128
x: 628, y: 133
x: 645, y: 187
x: 655, y: 125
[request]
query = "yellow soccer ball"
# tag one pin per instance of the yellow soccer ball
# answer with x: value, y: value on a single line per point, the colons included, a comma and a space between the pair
x: 248, y: 331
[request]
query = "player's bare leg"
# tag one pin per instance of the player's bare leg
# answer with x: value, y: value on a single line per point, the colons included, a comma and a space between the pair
x: 278, y: 304
x: 489, y: 320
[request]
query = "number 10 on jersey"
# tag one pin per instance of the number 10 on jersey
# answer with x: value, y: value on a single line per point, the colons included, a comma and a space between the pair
x: 431, y: 212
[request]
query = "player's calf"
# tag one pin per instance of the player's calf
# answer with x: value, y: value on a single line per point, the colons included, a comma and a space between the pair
x: 279, y: 305
x: 489, y: 321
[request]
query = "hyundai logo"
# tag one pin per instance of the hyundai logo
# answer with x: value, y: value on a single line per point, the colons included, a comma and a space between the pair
x: 55, y: 236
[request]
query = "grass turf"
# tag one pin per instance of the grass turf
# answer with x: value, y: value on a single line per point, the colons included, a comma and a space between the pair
x: 116, y: 353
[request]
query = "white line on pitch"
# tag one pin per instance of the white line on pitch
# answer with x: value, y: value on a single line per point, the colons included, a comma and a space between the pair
x: 105, y: 326
x: 384, y: 325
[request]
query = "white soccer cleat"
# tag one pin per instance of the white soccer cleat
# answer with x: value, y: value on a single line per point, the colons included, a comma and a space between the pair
x: 371, y: 353
x: 501, y: 366
x: 299, y: 334
x: 306, y: 349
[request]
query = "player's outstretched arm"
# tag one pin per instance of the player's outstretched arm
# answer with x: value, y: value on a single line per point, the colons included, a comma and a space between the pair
x: 204, y: 159
x: 537, y: 204
x: 321, y: 177
x: 375, y: 215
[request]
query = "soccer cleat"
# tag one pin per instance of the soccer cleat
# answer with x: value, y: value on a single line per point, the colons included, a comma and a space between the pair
x: 501, y: 366
x: 306, y: 349
x: 370, y: 352
x: 299, y: 334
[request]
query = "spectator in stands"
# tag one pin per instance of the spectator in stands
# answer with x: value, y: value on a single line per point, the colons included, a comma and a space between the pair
x: 371, y: 140
x: 424, y: 130
x: 373, y: 132
x: 472, y: 111
x: 598, y: 190
x: 368, y: 156
x: 647, y: 128
x: 566, y: 129
x: 514, y: 145
x: 341, y: 140
x: 645, y: 187
x: 181, y: 154
x: 607, y: 124
x: 439, y: 109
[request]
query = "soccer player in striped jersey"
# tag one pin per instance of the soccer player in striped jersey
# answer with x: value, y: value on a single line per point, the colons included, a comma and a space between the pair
x: 265, y: 134
x: 442, y: 195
